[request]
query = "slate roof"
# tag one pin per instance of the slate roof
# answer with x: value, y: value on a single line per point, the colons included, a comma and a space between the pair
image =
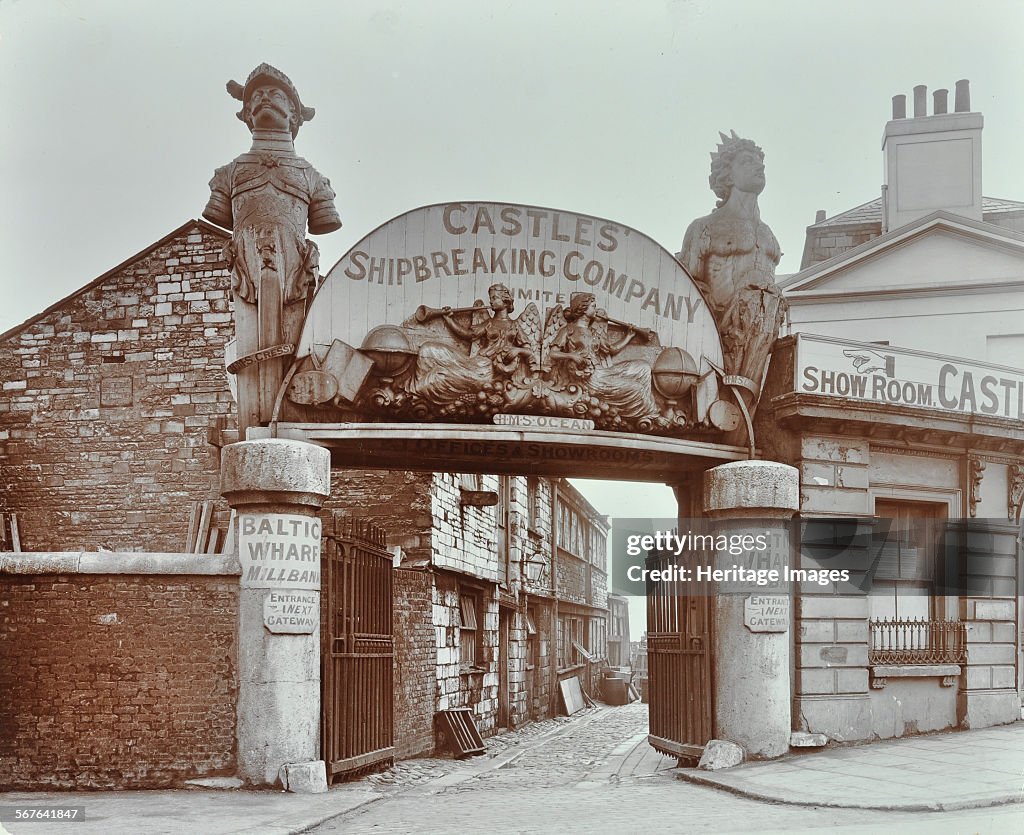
x: 871, y: 212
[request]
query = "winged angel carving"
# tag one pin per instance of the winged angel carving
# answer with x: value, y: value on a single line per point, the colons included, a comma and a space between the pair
x: 501, y: 357
x: 584, y: 377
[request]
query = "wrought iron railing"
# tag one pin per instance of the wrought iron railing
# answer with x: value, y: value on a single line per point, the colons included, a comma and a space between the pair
x: 917, y: 641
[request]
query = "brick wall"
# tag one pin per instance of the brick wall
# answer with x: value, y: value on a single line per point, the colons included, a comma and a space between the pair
x: 822, y: 244
x: 110, y: 681
x: 399, y: 502
x: 107, y: 398
x: 415, y: 670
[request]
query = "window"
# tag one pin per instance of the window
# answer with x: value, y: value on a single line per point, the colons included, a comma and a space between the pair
x: 570, y: 631
x: 907, y: 623
x: 470, y: 481
x: 469, y: 631
x: 907, y: 539
x: 577, y: 534
x: 598, y: 549
x: 532, y: 641
x: 598, y: 638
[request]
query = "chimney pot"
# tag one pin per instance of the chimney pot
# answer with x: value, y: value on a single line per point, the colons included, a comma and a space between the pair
x: 819, y: 216
x: 941, y: 102
x: 963, y: 96
x: 920, y: 101
x: 899, y: 107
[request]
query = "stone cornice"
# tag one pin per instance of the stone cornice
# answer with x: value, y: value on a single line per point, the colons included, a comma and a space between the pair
x: 118, y: 562
x: 800, y: 297
x: 905, y: 427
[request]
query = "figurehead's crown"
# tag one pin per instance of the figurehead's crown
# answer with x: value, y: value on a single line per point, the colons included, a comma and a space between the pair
x: 721, y: 159
x: 266, y: 74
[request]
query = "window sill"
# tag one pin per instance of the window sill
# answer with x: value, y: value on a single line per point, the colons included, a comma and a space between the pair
x: 881, y: 673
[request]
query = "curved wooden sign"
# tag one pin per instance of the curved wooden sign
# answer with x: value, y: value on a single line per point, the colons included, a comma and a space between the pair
x: 460, y: 312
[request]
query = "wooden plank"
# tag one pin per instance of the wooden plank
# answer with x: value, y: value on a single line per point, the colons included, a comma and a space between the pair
x: 572, y: 695
x: 193, y: 523
x: 3, y: 532
x: 211, y: 545
x: 361, y: 760
x: 15, y: 535
x: 204, y: 528
x: 229, y: 538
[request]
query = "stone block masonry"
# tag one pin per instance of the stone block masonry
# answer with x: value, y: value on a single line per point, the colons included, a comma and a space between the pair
x: 108, y: 397
x: 114, y: 680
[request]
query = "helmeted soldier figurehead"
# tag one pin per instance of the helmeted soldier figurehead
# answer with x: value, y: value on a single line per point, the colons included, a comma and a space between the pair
x: 262, y: 108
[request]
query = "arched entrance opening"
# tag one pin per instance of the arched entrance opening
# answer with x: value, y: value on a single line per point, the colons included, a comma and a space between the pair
x: 559, y: 611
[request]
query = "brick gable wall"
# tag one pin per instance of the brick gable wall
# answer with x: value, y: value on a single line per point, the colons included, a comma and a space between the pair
x: 107, y: 397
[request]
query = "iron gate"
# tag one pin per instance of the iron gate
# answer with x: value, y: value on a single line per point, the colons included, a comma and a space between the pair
x: 357, y: 650
x: 679, y: 664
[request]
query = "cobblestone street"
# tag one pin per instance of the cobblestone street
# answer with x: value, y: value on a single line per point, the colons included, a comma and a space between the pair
x: 596, y: 773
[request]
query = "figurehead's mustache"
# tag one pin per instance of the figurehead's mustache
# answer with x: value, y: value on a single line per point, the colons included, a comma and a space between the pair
x: 267, y: 103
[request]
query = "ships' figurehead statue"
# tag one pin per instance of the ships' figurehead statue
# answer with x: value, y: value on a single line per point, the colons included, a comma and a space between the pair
x: 267, y: 197
x: 731, y: 255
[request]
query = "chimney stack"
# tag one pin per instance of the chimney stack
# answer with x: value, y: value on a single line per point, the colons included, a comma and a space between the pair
x: 932, y: 163
x: 920, y: 101
x: 963, y: 96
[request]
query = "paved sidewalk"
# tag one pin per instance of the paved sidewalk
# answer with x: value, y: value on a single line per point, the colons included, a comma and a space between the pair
x: 939, y: 772
x: 193, y: 811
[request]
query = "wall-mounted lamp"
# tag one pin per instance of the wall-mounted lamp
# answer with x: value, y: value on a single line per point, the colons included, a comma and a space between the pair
x: 534, y: 569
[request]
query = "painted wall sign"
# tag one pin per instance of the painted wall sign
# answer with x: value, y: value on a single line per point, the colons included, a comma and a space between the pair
x: 449, y: 254
x: 292, y: 612
x: 544, y: 422
x: 766, y: 612
x: 279, y: 550
x: 459, y: 312
x: 882, y: 374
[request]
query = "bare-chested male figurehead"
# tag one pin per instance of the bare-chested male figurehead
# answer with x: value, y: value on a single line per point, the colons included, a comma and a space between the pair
x: 732, y: 257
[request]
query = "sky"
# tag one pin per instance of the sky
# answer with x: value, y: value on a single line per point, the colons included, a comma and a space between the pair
x: 114, y: 114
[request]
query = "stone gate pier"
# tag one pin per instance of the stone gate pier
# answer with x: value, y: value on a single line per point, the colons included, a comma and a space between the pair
x: 276, y: 487
x: 752, y: 668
